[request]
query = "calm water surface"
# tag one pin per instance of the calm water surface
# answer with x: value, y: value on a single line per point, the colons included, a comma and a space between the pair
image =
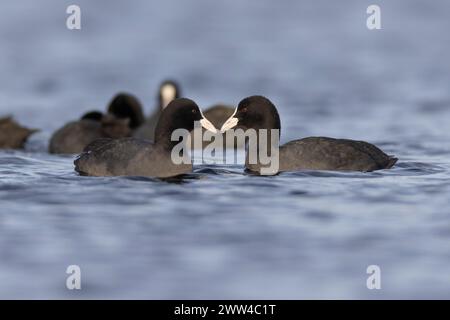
x: 220, y: 233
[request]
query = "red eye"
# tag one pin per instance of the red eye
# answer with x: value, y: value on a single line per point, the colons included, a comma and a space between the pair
x: 244, y: 109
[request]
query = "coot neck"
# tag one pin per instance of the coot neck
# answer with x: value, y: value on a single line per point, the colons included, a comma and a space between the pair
x: 267, y: 144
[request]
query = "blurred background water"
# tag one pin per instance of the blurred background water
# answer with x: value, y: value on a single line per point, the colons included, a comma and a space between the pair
x: 221, y: 233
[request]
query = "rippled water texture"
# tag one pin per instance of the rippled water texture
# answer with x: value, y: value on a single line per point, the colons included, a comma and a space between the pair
x: 220, y: 233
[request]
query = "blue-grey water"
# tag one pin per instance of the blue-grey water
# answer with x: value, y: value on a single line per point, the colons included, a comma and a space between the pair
x: 221, y: 233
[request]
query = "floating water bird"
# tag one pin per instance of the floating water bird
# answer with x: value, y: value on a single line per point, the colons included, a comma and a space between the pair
x: 312, y: 153
x: 124, y: 115
x: 12, y: 134
x: 170, y: 90
x: 167, y: 91
x: 140, y: 157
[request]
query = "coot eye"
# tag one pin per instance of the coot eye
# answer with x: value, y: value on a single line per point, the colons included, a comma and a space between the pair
x: 244, y: 109
x: 194, y: 111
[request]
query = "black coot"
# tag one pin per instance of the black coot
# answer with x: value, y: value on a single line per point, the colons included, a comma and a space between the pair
x: 312, y: 153
x: 124, y: 115
x: 167, y: 91
x: 139, y: 157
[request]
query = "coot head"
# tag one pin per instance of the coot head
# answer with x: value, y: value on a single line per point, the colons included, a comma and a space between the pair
x: 125, y: 105
x: 168, y: 90
x: 256, y: 112
x: 93, y: 115
x: 180, y: 114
